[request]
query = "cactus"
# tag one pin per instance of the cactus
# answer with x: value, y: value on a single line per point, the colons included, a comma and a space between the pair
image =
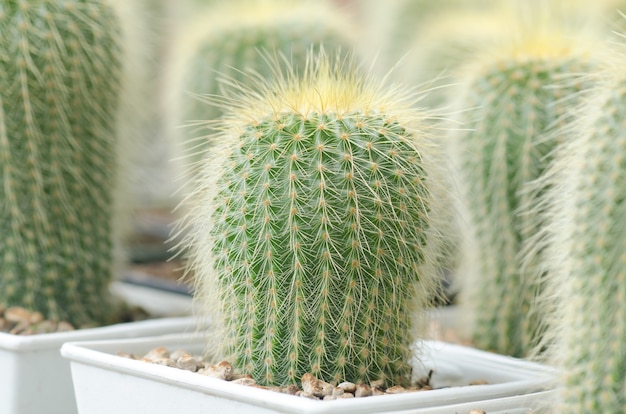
x: 585, y: 251
x: 519, y: 93
x: 58, y: 92
x: 228, y: 43
x: 318, y: 235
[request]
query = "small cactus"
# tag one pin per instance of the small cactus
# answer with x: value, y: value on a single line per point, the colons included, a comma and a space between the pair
x: 520, y: 93
x: 584, y: 251
x: 59, y: 80
x: 317, y: 230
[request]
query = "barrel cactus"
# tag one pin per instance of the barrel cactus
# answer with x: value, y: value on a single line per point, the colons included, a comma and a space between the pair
x: 59, y: 81
x: 521, y: 91
x: 315, y: 227
x: 585, y: 251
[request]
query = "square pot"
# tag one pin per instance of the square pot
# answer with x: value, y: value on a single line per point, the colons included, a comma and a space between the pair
x: 35, y: 379
x: 106, y: 383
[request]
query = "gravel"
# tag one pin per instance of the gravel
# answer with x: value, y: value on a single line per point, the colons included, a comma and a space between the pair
x: 19, y: 321
x: 312, y: 387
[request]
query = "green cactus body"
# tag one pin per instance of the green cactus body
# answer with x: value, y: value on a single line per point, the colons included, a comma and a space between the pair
x: 503, y: 149
x: 586, y: 253
x: 229, y: 42
x: 323, y: 229
x: 58, y: 92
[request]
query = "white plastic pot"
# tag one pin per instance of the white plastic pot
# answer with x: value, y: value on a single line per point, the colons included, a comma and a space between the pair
x: 105, y: 383
x: 35, y: 379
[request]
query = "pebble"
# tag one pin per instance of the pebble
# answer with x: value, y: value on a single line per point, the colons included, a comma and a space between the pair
x: 177, y: 354
x: 17, y: 314
x: 160, y: 361
x: 312, y: 387
x: 378, y: 384
x: 337, y: 394
x: 348, y: 387
x: 158, y: 353
x: 188, y: 363
x: 223, y: 371
x: 244, y: 381
x: 318, y: 388
x: 291, y: 389
x: 363, y: 390
x: 397, y: 389
x: 345, y: 395
x: 226, y: 368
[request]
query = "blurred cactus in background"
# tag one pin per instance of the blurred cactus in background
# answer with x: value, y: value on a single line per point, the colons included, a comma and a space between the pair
x: 59, y: 81
x: 583, y: 249
x: 521, y: 90
x: 316, y: 229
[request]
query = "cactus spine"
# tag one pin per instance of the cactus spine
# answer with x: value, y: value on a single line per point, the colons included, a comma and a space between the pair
x: 520, y: 94
x: 58, y: 92
x: 322, y: 226
x: 585, y: 243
